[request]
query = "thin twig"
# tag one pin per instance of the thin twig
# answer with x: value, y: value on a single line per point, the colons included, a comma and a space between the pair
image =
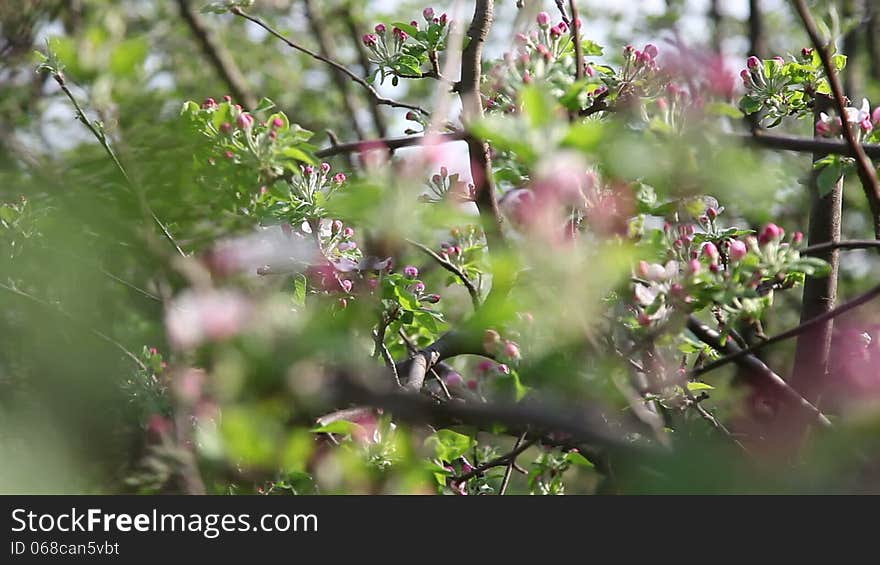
x: 820, y: 248
x: 867, y: 173
x: 339, y: 67
x: 509, y: 470
x: 805, y: 144
x: 576, y: 37
x: 102, y: 139
x: 59, y: 311
x: 795, y: 331
x: 391, y: 143
x: 472, y: 290
x: 218, y: 55
x: 498, y: 461
x: 325, y: 44
x: 755, y: 368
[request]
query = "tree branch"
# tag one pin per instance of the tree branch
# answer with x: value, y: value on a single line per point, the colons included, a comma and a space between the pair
x: 756, y: 370
x: 391, y: 143
x: 805, y: 144
x: 506, y: 459
x: 472, y: 109
x: 472, y: 290
x: 795, y: 331
x: 325, y: 44
x: 867, y: 173
x: 101, y: 137
x: 814, y: 346
x: 218, y: 55
x: 339, y: 67
x: 588, y: 423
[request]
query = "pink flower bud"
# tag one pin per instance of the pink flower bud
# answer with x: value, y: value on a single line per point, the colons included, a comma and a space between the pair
x: 245, y: 121
x: 431, y: 298
x: 651, y: 51
x: 380, y: 28
x: 712, y: 213
x: 503, y: 369
x: 779, y: 60
x: 644, y: 319
x: 411, y: 271
x: 428, y: 14
x: 543, y: 19
x: 511, y: 350
x: 335, y: 226
x: 746, y: 78
x: 797, y: 237
x: 453, y: 379
x: 370, y: 40
x: 875, y: 116
x: 348, y: 232
x: 694, y: 266
x: 710, y: 251
x: 737, y: 250
x: 419, y: 287
x: 227, y: 98
x: 807, y: 52
x: 753, y: 63
x: 277, y: 123
x: 485, y: 366
x: 229, y: 155
x: 771, y: 232
x: 226, y: 128
x: 399, y: 34
x: 209, y: 103
x: 443, y: 19
x: 325, y: 168
x: 339, y: 178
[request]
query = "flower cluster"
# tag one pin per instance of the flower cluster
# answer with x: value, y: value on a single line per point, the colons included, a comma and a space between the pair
x: 728, y: 269
x: 776, y: 88
x: 444, y: 186
x: 545, y: 55
x: 862, y: 121
x: 402, y: 52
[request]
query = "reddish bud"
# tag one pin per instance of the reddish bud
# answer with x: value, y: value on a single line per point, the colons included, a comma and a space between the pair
x: 753, y: 62
x: 411, y: 271
x: 737, y: 250
x: 245, y: 121
x: 339, y: 178
x: 543, y: 19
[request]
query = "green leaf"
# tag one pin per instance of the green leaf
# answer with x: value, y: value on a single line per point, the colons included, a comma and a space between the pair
x: 585, y: 136
x: 410, y: 30
x: 128, y: 56
x: 298, y: 154
x: 537, y: 105
x: 341, y: 427
x: 576, y: 458
x: 694, y: 387
x: 299, y: 290
x: 450, y: 445
x: 829, y: 175
x: 265, y: 105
